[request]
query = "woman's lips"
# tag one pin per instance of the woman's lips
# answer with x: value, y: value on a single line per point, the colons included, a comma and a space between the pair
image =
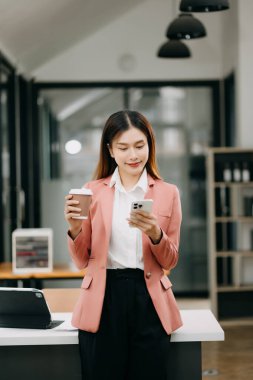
x: 134, y: 165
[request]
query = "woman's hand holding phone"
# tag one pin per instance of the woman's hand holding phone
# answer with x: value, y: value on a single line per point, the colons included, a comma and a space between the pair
x: 146, y: 221
x: 72, y: 209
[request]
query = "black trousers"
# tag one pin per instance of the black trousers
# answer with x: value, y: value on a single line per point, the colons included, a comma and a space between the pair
x: 131, y: 343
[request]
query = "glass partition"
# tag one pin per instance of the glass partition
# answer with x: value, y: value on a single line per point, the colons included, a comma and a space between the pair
x: 71, y: 122
x: 182, y: 120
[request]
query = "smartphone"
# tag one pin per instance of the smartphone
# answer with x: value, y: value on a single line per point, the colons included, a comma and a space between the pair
x: 143, y: 205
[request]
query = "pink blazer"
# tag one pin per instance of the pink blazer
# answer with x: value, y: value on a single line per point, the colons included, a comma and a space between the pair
x: 90, y: 247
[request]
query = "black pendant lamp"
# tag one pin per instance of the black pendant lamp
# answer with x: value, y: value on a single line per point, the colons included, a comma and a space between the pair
x: 203, y: 5
x: 174, y: 49
x: 186, y: 27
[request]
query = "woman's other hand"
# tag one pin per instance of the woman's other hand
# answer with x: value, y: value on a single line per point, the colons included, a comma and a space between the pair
x: 72, y: 209
x: 147, y: 223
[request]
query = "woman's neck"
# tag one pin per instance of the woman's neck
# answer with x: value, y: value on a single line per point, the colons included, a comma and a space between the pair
x: 129, y: 181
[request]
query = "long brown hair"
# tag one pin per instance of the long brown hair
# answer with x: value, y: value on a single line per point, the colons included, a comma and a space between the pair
x: 120, y: 122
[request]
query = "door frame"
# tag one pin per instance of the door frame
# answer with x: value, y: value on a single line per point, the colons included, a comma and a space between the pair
x: 9, y: 70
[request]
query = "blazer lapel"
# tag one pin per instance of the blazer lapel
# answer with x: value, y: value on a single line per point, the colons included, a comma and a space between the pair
x: 107, y: 207
x: 150, y: 194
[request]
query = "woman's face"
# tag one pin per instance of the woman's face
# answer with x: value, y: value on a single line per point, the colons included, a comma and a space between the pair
x: 130, y: 150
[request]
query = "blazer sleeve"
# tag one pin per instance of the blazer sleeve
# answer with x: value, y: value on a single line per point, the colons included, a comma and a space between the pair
x: 166, y: 251
x: 79, y: 248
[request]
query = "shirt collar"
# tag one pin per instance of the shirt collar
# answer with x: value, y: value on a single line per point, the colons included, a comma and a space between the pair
x: 142, y: 183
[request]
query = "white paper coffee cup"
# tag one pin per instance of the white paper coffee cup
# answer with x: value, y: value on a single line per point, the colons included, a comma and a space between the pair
x: 84, y: 197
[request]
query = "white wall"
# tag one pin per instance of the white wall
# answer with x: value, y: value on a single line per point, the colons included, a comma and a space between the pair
x: 138, y: 34
x: 230, y: 39
x: 244, y: 74
x: 237, y: 56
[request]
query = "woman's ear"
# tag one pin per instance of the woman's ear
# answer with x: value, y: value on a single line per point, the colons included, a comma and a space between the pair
x: 110, y: 150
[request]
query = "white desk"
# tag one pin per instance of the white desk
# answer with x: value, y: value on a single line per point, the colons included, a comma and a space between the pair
x: 53, y: 354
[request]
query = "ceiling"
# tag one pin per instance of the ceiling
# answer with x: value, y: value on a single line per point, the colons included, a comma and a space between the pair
x: 34, y: 31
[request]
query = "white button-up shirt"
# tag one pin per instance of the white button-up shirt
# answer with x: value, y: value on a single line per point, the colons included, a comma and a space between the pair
x: 125, y: 248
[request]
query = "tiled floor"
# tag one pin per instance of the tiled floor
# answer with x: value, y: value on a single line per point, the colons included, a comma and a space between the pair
x: 231, y: 359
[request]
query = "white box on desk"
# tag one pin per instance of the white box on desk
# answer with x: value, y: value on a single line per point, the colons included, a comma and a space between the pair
x: 32, y: 250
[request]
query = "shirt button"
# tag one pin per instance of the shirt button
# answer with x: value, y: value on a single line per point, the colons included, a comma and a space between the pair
x: 148, y: 274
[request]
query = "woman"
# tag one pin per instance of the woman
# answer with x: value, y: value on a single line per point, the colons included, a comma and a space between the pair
x: 126, y: 310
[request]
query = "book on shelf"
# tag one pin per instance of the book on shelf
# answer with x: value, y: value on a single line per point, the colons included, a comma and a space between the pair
x: 224, y: 271
x: 226, y: 236
x: 222, y: 201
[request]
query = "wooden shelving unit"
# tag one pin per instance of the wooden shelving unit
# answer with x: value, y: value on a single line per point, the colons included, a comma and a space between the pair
x: 230, y: 231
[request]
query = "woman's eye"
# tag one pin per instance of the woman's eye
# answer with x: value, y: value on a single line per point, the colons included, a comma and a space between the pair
x: 122, y: 148
x: 140, y: 147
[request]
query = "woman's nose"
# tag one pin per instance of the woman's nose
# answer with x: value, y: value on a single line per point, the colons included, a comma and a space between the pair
x: 133, y: 154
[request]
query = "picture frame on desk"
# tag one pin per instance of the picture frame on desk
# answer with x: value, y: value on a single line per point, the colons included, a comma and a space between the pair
x: 32, y: 250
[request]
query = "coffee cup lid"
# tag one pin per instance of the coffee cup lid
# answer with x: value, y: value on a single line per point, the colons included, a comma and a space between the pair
x: 82, y: 191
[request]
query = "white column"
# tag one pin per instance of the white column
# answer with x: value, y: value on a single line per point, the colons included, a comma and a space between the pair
x: 244, y: 74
